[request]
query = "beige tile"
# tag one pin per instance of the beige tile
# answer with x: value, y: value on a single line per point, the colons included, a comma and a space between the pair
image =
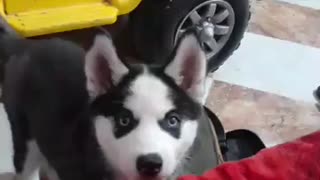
x: 286, y: 21
x: 276, y: 119
x: 7, y: 176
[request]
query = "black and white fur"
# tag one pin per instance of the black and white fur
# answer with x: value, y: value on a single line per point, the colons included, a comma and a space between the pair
x: 83, y: 116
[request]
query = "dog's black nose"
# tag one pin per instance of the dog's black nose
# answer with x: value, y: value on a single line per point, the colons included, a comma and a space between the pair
x: 149, y: 164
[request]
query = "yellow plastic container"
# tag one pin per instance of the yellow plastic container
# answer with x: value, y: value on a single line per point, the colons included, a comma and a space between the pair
x: 41, y: 17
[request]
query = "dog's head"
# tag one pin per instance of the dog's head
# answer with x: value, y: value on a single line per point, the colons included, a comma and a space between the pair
x: 145, y: 118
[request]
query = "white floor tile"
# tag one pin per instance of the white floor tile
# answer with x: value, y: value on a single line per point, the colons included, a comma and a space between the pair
x: 315, y: 4
x: 273, y: 65
x: 6, y: 164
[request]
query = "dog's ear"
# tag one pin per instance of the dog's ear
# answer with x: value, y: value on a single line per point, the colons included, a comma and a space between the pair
x: 188, y: 66
x: 103, y: 68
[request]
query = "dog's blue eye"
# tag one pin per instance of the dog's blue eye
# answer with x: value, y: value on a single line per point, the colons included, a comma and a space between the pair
x: 124, y: 121
x: 173, y: 121
x: 171, y: 124
x: 123, y: 118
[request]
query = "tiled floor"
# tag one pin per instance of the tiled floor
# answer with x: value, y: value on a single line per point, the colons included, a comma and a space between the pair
x: 6, y: 145
x: 273, y: 65
x: 286, y: 21
x: 274, y: 118
x: 266, y: 86
x: 307, y: 3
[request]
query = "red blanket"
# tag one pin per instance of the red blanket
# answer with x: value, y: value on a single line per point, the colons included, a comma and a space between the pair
x: 297, y: 160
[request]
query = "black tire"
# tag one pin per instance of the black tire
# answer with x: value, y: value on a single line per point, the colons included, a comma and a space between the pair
x: 154, y: 24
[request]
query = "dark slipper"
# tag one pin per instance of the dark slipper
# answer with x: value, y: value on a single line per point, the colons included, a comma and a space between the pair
x: 241, y: 144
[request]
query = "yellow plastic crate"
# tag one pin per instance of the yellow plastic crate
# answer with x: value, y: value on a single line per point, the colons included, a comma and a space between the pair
x: 40, y: 17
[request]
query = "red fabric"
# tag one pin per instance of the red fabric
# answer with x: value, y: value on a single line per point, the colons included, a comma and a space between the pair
x: 297, y: 160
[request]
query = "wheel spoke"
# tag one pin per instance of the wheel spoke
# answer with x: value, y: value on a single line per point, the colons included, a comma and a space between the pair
x: 221, y: 30
x: 212, y: 44
x: 195, y: 17
x: 218, y: 18
x: 211, y: 10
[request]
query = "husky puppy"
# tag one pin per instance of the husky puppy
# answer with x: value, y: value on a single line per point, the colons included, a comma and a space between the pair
x: 87, y: 115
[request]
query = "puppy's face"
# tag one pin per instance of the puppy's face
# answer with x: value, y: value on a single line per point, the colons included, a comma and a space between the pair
x: 146, y: 119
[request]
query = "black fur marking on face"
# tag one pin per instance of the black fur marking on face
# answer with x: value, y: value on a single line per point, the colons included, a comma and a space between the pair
x: 111, y: 105
x: 172, y: 124
x: 122, y: 119
x: 185, y: 106
x: 124, y: 123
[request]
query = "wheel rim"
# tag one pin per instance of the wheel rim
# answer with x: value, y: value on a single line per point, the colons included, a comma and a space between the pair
x: 214, y: 22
